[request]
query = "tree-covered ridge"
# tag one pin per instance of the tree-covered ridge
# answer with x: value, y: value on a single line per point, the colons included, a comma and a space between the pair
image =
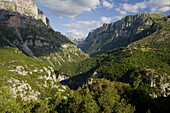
x: 140, y: 69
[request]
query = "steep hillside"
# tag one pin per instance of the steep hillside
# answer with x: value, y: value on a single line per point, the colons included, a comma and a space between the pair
x: 68, y: 54
x: 144, y: 64
x: 28, y: 78
x: 31, y: 51
x: 121, y: 33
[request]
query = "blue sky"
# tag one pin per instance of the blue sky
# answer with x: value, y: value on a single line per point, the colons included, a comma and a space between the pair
x: 76, y: 18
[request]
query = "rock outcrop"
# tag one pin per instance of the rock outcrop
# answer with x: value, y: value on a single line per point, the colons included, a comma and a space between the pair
x: 24, y: 7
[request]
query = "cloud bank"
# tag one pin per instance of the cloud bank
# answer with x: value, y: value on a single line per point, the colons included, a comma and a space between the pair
x: 108, y: 4
x: 106, y: 19
x: 69, y: 8
x: 153, y: 5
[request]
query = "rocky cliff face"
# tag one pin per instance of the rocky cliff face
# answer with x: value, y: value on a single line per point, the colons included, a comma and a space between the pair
x: 31, y: 36
x: 27, y: 29
x: 24, y: 7
x: 120, y: 33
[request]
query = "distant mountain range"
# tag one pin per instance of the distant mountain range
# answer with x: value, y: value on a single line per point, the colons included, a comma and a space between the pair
x: 77, y: 41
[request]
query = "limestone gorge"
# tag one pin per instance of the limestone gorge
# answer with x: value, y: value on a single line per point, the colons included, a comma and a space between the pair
x: 121, y: 67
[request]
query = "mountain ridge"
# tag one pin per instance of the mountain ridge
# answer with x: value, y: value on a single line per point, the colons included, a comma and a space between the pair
x: 120, y: 33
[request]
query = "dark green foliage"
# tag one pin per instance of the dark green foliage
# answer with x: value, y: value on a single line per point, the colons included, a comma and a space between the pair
x: 144, y: 103
x: 98, y: 97
x: 55, y: 39
x: 101, y: 96
x: 111, y: 96
x: 123, y: 61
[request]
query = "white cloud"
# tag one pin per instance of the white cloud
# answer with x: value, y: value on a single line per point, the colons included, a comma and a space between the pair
x: 129, y: 8
x: 158, y: 3
x: 120, y: 11
x: 164, y: 9
x: 117, y: 18
x: 89, y: 29
x: 75, y: 34
x: 153, y: 5
x: 154, y: 9
x: 108, y: 4
x: 134, y: 8
x: 106, y: 19
x: 81, y: 24
x: 69, y: 8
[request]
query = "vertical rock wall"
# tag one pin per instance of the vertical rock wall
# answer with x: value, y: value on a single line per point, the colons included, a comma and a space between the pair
x: 24, y: 7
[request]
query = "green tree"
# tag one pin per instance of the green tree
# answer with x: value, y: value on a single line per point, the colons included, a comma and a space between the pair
x: 8, y: 102
x: 88, y: 104
x: 43, y: 107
